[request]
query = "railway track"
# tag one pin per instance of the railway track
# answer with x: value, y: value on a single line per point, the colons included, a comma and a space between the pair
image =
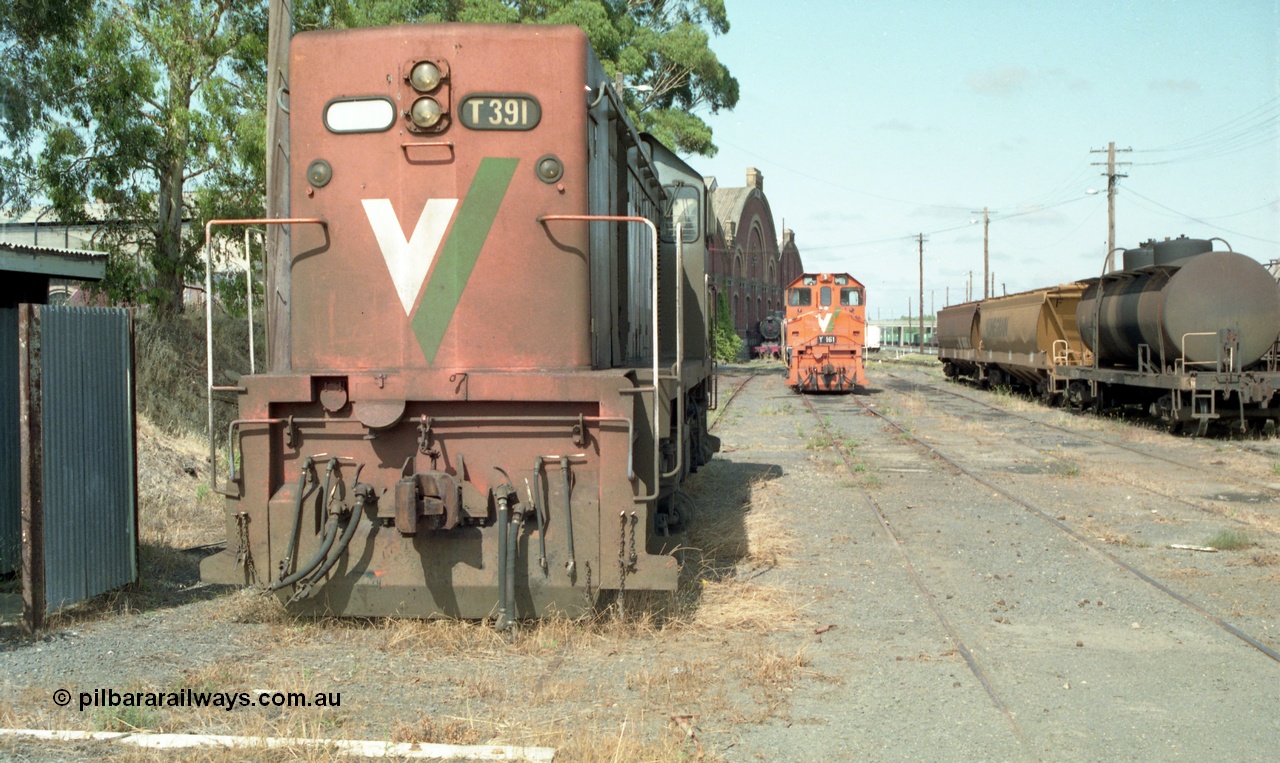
x: 1029, y: 507
x: 1217, y: 475
x: 975, y: 667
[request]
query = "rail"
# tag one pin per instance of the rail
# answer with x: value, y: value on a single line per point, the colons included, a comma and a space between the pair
x: 208, y: 324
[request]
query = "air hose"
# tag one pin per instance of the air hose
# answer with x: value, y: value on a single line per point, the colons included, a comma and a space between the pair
x: 330, y: 533
x: 504, y: 614
x: 307, y: 463
x: 344, y: 541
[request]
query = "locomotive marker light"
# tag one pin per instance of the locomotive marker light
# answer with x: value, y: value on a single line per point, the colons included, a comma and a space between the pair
x: 550, y: 168
x: 347, y: 115
x: 319, y: 173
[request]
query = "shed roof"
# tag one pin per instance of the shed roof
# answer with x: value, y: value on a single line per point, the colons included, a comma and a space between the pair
x: 54, y: 262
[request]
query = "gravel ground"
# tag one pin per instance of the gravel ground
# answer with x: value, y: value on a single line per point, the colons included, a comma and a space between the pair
x: 977, y: 630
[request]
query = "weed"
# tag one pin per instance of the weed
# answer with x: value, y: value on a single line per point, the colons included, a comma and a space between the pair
x: 821, y: 442
x: 124, y: 719
x: 1275, y: 468
x: 1070, y: 470
x: 1230, y: 540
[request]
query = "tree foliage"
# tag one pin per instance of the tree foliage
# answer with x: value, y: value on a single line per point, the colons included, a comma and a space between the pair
x: 150, y: 115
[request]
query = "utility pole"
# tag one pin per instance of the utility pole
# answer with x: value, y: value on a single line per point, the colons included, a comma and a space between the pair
x: 968, y: 293
x: 986, y: 268
x: 1111, y: 189
x: 993, y: 285
x: 920, y: 338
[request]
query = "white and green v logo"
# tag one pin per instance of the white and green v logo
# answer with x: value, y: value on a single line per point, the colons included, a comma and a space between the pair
x: 410, y: 260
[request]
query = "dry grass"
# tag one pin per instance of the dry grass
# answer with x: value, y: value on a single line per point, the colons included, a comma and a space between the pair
x: 1107, y: 534
x: 175, y: 507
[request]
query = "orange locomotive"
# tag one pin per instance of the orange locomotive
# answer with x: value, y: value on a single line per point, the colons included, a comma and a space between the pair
x: 825, y: 332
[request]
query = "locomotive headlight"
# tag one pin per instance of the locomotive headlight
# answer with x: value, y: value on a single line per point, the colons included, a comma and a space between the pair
x: 425, y: 112
x: 425, y: 77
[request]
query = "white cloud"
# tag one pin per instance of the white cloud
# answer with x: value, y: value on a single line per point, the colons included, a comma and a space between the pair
x: 1003, y: 82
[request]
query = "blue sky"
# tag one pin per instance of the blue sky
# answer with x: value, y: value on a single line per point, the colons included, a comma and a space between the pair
x: 874, y: 121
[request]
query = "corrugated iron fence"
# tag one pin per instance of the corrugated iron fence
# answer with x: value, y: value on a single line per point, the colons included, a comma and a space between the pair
x: 77, y: 484
x: 10, y: 508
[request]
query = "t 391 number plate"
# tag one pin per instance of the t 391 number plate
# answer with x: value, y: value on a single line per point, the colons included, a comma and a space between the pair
x: 500, y: 112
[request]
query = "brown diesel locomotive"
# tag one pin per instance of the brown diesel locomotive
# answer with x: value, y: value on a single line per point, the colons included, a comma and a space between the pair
x: 490, y: 360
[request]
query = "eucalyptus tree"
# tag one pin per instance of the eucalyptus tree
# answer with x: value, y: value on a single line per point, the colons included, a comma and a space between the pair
x: 146, y: 117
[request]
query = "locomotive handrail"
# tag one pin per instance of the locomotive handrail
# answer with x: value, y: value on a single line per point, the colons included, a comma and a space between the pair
x: 679, y: 353
x: 404, y: 147
x: 208, y: 322
x: 657, y: 348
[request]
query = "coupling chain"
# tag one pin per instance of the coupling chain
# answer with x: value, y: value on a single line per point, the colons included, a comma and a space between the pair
x: 632, y: 533
x: 622, y: 553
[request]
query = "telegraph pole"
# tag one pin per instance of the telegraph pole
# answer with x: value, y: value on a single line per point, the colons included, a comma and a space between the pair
x: 1111, y: 189
x: 986, y: 268
x: 920, y: 338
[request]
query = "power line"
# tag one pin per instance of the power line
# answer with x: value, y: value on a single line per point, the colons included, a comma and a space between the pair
x: 825, y: 181
x: 1203, y: 222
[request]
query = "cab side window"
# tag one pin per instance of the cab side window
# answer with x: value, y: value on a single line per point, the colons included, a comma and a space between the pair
x: 851, y: 297
x: 799, y: 298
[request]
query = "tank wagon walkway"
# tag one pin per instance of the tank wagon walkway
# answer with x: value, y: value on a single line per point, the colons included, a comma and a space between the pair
x: 964, y: 626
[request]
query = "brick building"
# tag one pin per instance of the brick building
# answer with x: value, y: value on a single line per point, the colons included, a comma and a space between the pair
x: 750, y: 263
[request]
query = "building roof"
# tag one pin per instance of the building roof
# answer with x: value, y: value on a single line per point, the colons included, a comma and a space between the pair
x: 54, y: 262
x: 727, y: 203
